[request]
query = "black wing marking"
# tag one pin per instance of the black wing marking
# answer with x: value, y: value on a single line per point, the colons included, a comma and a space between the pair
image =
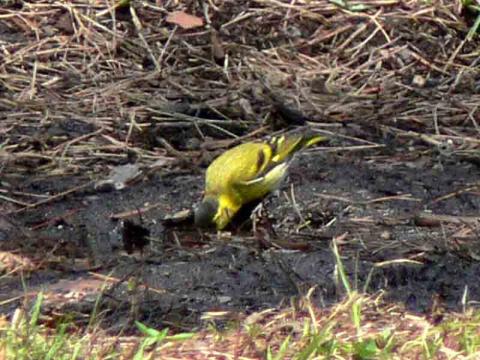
x: 261, y: 158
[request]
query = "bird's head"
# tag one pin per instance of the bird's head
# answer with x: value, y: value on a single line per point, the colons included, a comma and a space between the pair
x: 205, y: 212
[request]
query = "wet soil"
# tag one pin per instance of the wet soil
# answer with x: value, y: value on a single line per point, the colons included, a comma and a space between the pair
x: 368, y: 201
x: 74, y: 93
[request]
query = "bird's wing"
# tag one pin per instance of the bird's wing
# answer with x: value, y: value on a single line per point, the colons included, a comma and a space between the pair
x: 240, y: 164
x: 285, y: 146
x: 254, y: 167
x: 279, y: 150
x: 269, y: 164
x: 259, y: 186
x: 252, y: 163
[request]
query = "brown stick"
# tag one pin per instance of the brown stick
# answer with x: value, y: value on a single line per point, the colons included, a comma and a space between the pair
x: 428, y: 219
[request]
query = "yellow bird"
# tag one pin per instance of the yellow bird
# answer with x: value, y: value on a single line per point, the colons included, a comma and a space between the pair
x: 246, y: 173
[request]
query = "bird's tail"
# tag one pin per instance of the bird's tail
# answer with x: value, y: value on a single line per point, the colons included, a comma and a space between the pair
x: 312, y: 140
x: 285, y: 146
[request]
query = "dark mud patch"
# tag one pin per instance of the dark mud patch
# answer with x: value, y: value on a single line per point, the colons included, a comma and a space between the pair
x: 370, y: 207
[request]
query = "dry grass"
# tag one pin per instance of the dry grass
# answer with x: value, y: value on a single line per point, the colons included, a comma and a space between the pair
x: 360, y: 327
x: 81, y: 82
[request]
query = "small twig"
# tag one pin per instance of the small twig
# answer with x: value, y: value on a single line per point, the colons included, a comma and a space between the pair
x: 295, y: 205
x: 54, y: 197
x: 138, y: 211
x: 429, y: 219
x: 165, y: 47
x: 138, y: 26
x: 455, y: 193
x: 117, y: 281
x: 14, y: 201
x: 344, y: 148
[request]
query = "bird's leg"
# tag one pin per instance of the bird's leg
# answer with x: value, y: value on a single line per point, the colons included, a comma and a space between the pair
x: 224, y: 235
x: 256, y: 216
x: 262, y: 226
x: 259, y: 232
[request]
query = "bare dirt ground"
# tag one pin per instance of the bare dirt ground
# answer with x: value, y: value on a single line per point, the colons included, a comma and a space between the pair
x: 86, y: 90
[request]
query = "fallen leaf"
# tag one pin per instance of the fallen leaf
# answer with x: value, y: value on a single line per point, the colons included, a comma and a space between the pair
x: 184, y: 20
x: 179, y: 217
x: 119, y: 177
